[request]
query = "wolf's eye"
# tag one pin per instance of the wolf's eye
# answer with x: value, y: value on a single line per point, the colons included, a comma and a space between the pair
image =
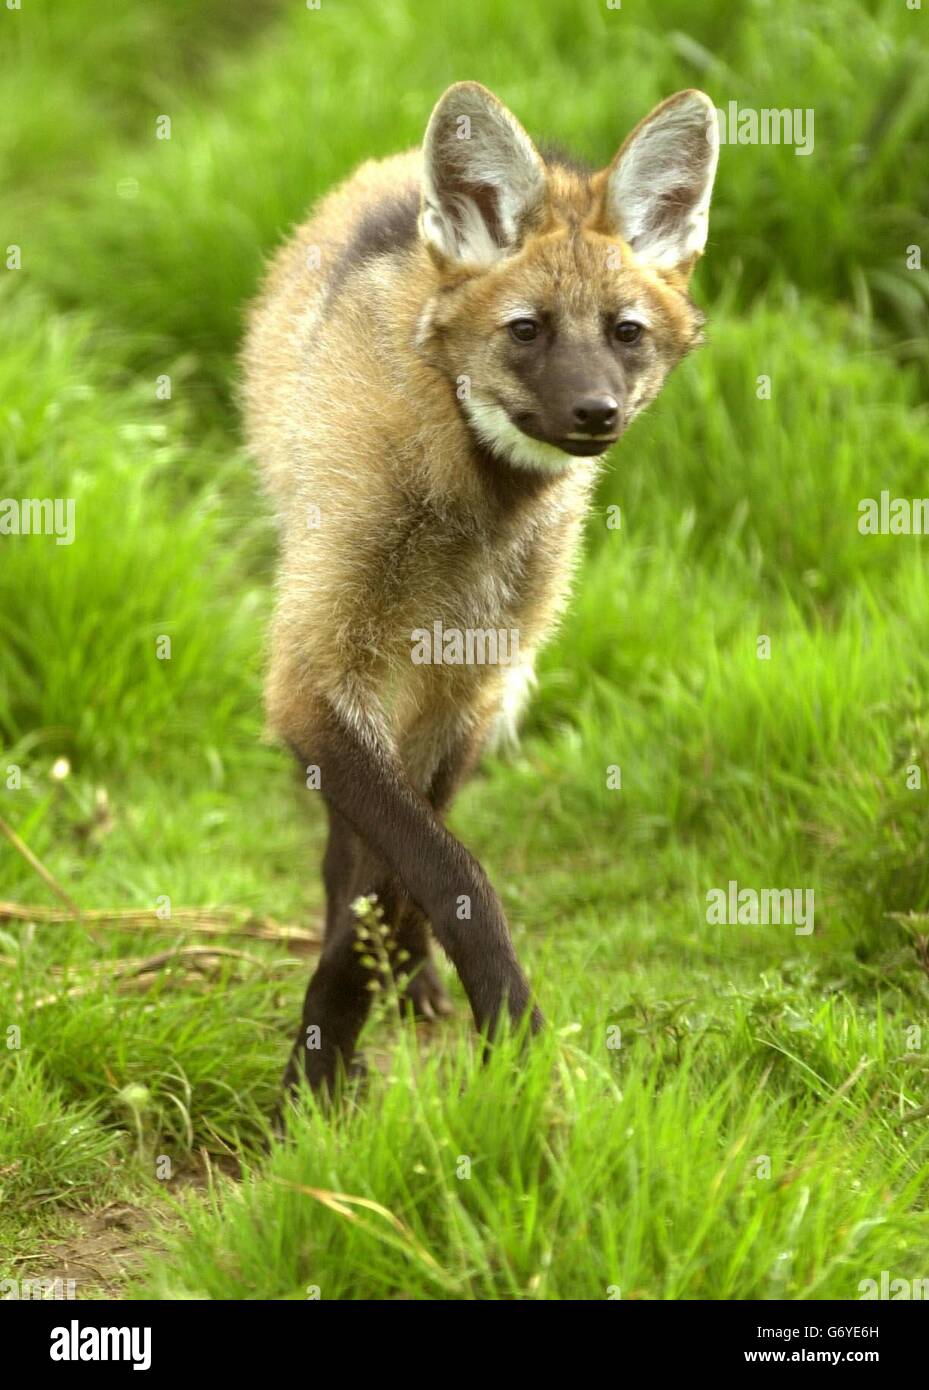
x: 627, y: 331
x: 524, y: 330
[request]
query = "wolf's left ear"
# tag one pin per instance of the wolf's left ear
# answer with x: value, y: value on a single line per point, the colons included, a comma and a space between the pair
x: 483, y: 179
x: 657, y: 192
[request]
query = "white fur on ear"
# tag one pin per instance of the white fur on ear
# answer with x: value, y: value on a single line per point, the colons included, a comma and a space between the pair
x: 659, y: 189
x: 481, y: 176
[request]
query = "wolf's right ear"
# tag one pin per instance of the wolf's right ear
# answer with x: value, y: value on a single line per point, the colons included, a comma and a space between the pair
x: 483, y: 179
x: 658, y: 188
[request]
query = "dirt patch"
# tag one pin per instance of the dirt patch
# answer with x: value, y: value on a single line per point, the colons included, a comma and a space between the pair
x: 105, y: 1251
x: 110, y: 1244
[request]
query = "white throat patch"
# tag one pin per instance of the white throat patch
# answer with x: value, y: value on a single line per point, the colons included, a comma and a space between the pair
x: 495, y: 428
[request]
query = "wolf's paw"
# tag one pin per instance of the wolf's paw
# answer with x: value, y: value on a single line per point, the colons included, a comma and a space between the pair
x: 425, y: 992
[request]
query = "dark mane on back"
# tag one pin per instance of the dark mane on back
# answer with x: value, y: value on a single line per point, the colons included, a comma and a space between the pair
x: 387, y: 227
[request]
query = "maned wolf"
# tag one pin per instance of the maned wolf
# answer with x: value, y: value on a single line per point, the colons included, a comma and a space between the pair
x: 438, y: 360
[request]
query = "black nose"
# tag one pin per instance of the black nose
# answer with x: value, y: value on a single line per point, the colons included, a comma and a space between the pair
x: 596, y: 414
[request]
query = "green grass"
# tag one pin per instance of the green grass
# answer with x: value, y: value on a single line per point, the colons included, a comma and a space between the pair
x: 720, y: 1169
x: 593, y: 1167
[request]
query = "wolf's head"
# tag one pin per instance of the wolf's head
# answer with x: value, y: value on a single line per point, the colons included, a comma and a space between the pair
x: 562, y: 300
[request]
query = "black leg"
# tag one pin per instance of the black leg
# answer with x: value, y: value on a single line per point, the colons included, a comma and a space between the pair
x: 425, y: 991
x: 339, y: 994
x: 369, y: 789
x: 341, y: 863
x: 334, y: 1011
x: 387, y: 839
x: 350, y: 872
x: 422, y: 988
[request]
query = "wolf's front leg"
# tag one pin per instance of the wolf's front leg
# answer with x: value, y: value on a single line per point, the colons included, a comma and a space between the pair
x: 365, y: 784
